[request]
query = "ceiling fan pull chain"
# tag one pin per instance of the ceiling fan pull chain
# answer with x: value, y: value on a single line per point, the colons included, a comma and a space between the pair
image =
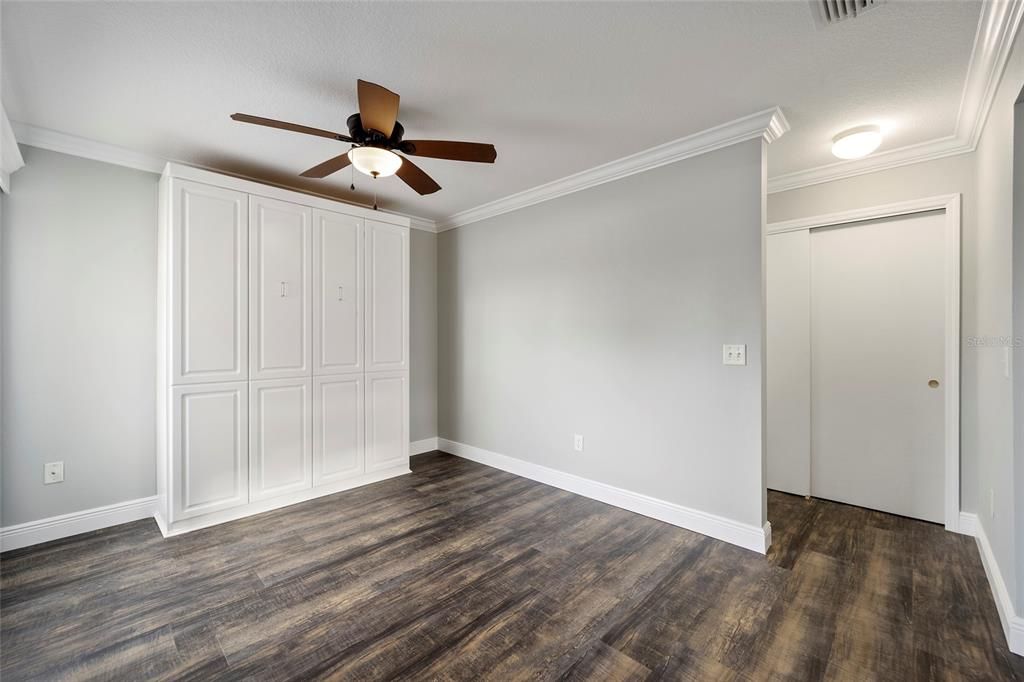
x: 352, y: 178
x: 375, y: 197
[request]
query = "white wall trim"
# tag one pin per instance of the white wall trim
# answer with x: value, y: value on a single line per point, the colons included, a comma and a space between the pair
x: 736, y: 533
x: 64, y: 143
x: 1013, y: 624
x: 997, y: 28
x: 968, y: 524
x: 950, y: 203
x: 418, y: 447
x: 768, y: 125
x: 56, y: 527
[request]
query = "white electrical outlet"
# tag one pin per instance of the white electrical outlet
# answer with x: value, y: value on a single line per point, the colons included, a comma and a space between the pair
x: 577, y: 442
x: 53, y: 472
x: 734, y: 354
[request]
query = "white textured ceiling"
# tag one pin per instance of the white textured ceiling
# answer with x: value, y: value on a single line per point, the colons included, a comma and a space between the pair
x: 558, y: 88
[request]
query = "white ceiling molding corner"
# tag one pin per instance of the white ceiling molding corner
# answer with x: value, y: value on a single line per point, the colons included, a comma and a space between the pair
x: 63, y: 143
x: 10, y: 155
x: 1000, y: 20
x: 768, y: 125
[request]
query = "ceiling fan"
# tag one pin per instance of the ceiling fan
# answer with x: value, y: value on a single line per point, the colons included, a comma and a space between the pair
x: 375, y: 135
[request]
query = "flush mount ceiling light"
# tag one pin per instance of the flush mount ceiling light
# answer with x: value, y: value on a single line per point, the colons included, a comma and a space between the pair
x: 856, y: 142
x: 374, y: 161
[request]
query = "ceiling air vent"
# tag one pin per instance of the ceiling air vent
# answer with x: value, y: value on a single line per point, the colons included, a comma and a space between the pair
x: 829, y: 12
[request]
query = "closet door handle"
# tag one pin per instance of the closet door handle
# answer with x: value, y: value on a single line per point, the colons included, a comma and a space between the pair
x: 341, y: 293
x: 284, y: 289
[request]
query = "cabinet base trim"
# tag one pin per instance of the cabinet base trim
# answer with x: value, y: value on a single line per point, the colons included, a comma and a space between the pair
x: 66, y: 525
x: 741, y: 534
x: 261, y: 506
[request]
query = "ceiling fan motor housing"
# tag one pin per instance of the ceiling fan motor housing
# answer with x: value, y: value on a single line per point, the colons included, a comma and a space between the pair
x: 374, y: 138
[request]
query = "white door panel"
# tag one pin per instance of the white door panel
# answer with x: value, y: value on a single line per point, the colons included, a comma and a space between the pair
x: 337, y: 293
x: 210, y: 284
x: 877, y: 339
x: 210, y: 425
x: 338, y: 420
x: 387, y: 420
x: 387, y: 297
x: 280, y: 424
x: 788, y: 347
x: 280, y: 260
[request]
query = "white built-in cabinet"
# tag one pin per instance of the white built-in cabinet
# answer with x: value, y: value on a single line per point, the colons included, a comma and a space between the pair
x: 283, y: 348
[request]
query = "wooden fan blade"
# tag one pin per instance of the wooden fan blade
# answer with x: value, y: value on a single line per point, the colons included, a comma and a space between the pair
x: 455, y: 151
x: 414, y: 176
x: 378, y: 107
x: 327, y: 167
x: 294, y: 127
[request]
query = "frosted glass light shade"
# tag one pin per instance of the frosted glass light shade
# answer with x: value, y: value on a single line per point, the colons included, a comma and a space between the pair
x: 375, y: 162
x: 856, y: 143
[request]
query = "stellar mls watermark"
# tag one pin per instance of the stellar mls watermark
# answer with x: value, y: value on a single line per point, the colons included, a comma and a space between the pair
x: 995, y: 341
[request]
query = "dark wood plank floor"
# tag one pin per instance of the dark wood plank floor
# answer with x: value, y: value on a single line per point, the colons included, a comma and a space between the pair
x: 459, y: 571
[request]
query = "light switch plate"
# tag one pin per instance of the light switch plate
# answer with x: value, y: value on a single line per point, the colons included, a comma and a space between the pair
x: 734, y: 354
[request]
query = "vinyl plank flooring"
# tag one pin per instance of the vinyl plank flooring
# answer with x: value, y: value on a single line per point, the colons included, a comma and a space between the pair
x: 463, y: 572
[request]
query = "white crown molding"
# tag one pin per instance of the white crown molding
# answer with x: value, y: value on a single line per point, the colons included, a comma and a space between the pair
x: 768, y: 125
x: 56, y: 527
x: 56, y: 141
x: 1000, y: 20
x: 741, y: 534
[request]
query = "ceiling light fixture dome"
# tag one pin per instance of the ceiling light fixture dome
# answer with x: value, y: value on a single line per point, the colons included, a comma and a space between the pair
x: 374, y: 161
x: 856, y: 142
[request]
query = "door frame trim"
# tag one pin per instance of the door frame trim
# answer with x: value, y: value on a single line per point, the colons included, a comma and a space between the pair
x: 950, y: 203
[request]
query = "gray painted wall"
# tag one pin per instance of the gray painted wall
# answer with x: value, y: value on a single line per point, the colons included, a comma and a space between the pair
x: 79, y: 340
x: 603, y: 313
x: 78, y: 345
x: 423, y: 335
x: 995, y: 406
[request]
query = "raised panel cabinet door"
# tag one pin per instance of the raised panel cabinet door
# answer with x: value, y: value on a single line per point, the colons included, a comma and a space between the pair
x: 210, y: 445
x: 280, y: 451
x: 210, y: 287
x: 337, y: 293
x: 280, y: 257
x: 387, y: 420
x: 337, y: 428
x: 387, y: 297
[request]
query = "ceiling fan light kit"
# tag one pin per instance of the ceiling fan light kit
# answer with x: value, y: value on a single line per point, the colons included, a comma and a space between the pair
x: 375, y: 161
x: 375, y: 135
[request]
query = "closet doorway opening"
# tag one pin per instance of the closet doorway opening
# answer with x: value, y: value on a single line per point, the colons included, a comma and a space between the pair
x: 863, y: 350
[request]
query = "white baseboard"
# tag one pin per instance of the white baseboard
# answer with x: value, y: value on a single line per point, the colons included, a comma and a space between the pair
x: 418, y: 447
x: 736, y: 533
x: 56, y: 527
x: 1013, y: 624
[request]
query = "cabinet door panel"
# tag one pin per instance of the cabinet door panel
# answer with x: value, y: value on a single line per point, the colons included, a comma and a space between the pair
x: 280, y: 258
x: 387, y: 297
x: 337, y: 428
x: 387, y: 420
x: 210, y: 445
x: 279, y: 422
x: 337, y: 293
x: 210, y: 284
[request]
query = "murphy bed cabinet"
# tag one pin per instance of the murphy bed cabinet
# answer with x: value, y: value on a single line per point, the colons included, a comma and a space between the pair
x: 283, y: 348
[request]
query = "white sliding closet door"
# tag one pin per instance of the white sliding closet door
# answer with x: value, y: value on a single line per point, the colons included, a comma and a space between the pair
x: 280, y: 259
x: 877, y: 364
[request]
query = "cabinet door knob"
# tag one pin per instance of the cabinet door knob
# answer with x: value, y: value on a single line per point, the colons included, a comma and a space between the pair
x: 934, y: 383
x: 341, y: 292
x: 284, y: 289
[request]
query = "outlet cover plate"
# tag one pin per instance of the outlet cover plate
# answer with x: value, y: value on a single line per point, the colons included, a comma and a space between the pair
x: 53, y: 472
x: 734, y: 354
